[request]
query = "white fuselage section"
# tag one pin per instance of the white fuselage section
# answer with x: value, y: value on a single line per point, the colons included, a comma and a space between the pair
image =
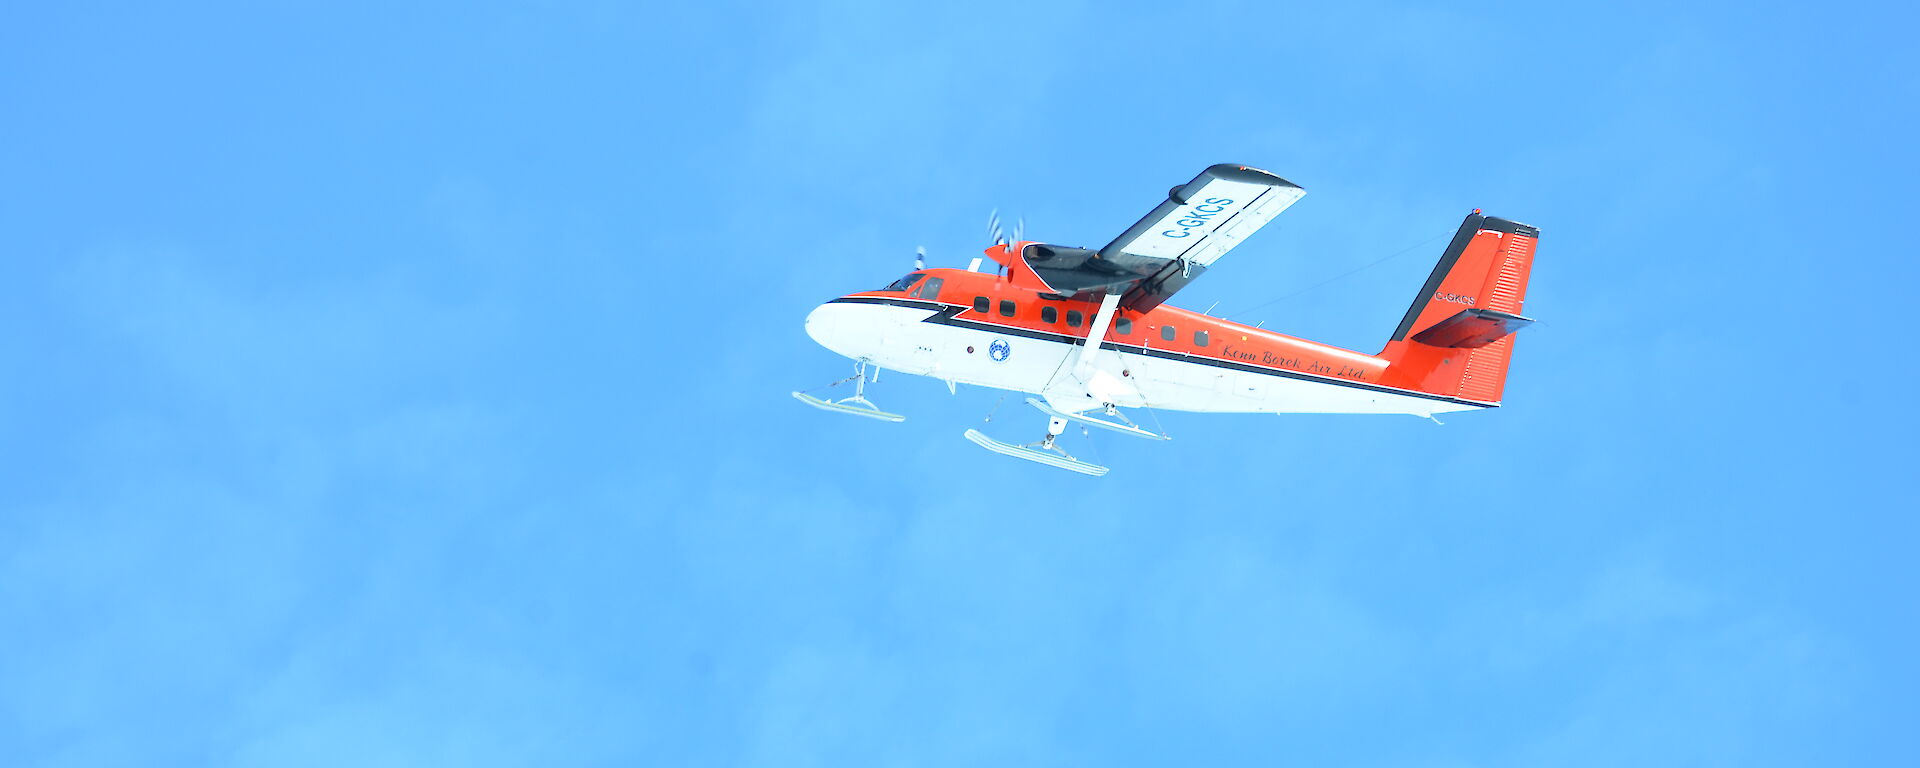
x: 898, y: 335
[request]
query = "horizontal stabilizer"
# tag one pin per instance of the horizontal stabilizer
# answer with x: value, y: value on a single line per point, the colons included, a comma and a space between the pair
x: 1472, y: 328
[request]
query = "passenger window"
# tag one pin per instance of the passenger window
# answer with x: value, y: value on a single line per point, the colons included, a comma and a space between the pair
x: 1049, y: 314
x: 1122, y: 326
x: 1074, y: 317
x: 1199, y: 338
x: 980, y: 304
x: 1006, y: 307
x: 929, y: 289
x: 1167, y: 332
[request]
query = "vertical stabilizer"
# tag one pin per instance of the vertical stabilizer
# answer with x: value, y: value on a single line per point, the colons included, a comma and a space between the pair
x: 1457, y: 338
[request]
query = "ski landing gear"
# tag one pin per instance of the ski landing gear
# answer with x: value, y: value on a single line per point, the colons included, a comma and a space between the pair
x: 1123, y: 426
x: 1042, y: 452
x: 857, y: 405
x: 1046, y: 452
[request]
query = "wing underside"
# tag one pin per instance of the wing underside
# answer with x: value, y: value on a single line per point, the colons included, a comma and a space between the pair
x: 1198, y: 223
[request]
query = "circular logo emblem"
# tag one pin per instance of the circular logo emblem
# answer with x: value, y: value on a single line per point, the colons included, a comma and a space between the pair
x: 999, y: 350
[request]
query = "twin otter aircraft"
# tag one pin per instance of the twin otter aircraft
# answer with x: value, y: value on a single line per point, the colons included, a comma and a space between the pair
x: 1089, y: 332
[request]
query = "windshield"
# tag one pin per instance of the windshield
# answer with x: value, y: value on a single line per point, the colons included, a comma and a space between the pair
x: 904, y: 283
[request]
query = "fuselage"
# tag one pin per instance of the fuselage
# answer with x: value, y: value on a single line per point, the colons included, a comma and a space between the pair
x: 984, y: 329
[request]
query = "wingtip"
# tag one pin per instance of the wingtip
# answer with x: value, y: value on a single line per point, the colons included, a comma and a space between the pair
x: 1249, y: 173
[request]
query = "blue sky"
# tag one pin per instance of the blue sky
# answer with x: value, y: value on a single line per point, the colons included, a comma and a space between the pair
x: 408, y: 385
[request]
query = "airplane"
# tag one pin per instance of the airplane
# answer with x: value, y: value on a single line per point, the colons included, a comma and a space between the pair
x: 1088, y: 332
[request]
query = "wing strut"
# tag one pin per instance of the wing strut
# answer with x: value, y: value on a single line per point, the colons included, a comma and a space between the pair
x: 1083, y: 362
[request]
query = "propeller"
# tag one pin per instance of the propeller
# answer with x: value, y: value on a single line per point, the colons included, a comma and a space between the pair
x: 998, y: 235
x: 920, y: 258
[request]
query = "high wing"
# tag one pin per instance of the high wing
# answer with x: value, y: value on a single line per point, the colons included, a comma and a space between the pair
x: 1198, y: 223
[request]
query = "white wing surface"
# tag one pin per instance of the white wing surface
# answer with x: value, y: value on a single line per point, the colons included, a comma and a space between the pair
x: 1203, y: 219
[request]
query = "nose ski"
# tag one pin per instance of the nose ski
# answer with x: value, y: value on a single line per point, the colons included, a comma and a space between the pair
x: 858, y: 404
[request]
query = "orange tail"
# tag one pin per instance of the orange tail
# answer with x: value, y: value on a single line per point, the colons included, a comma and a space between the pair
x: 1458, y: 336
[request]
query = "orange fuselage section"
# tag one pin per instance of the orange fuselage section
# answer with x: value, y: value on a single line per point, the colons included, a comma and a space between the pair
x: 1009, y: 301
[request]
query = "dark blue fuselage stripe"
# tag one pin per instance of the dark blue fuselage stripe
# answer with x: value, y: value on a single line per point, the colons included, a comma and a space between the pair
x: 947, y: 314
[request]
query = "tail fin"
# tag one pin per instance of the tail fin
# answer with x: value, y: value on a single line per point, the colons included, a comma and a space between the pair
x: 1457, y: 337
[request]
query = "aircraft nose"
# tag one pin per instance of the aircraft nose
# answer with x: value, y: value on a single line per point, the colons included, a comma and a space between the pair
x: 846, y: 328
x: 820, y: 325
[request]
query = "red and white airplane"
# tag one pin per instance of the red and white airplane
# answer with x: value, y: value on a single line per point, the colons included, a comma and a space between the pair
x: 1088, y: 331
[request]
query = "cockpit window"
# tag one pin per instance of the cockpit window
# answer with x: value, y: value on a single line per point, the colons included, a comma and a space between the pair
x: 929, y: 289
x: 904, y: 283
